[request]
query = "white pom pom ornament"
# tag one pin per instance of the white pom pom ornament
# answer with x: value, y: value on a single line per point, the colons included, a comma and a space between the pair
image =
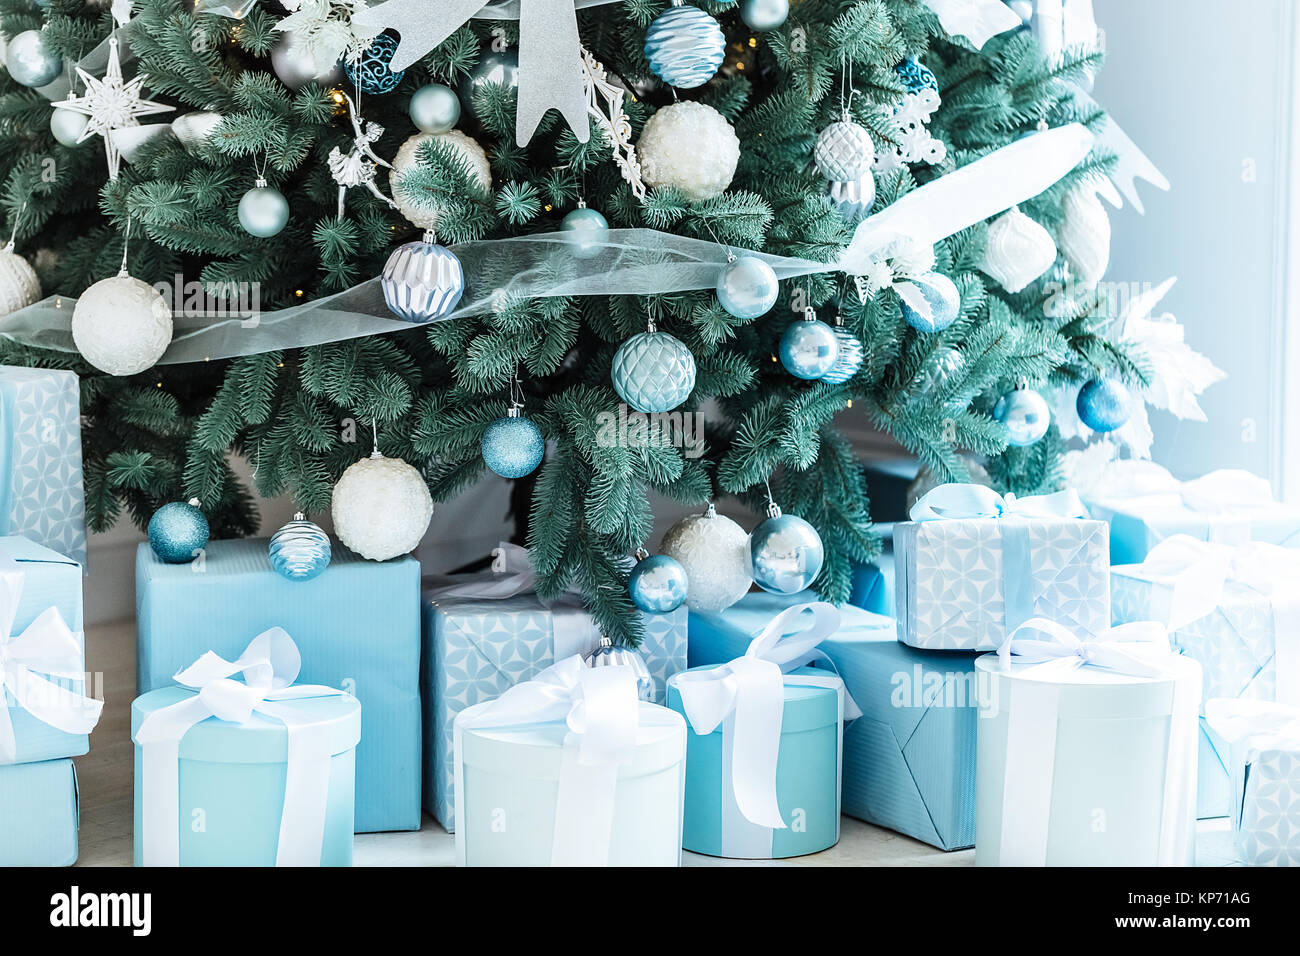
x: 407, y: 159
x: 1018, y: 250
x: 122, y: 325
x: 714, y: 552
x: 381, y: 507
x: 689, y: 146
x: 19, y: 286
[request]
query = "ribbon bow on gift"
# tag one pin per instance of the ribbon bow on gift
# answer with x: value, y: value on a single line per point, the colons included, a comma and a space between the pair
x: 750, y: 692
x: 1140, y: 649
x: 47, y: 647
x: 269, y: 666
x: 963, y: 500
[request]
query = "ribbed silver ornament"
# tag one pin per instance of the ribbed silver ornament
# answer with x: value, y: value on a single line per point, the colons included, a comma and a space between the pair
x: 848, y: 357
x: 854, y: 198
x: 610, y: 654
x: 422, y: 281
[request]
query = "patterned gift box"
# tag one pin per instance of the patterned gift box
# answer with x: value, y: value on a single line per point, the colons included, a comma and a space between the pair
x: 963, y: 582
x: 41, y: 494
x: 38, y: 814
x: 476, y: 648
x: 358, y: 624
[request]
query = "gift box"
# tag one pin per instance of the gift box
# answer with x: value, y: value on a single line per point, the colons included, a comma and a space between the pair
x: 476, y: 647
x: 569, y: 769
x: 38, y: 814
x: 46, y: 713
x: 253, y: 772
x: 971, y: 566
x: 763, y: 758
x: 1086, y: 749
x: 909, y: 760
x: 41, y: 494
x: 1144, y: 504
x: 357, y: 623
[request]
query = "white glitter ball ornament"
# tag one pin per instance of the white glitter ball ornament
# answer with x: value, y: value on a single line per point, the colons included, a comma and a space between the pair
x: 1017, y: 250
x: 406, y: 159
x: 691, y: 147
x: 19, y: 286
x: 381, y: 507
x: 122, y: 325
x: 714, y: 552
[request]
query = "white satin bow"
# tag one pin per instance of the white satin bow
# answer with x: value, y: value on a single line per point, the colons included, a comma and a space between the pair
x: 1140, y: 649
x: 47, y: 648
x: 965, y: 500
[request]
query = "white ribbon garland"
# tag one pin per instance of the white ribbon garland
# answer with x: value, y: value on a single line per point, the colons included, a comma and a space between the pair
x: 976, y: 20
x: 47, y: 648
x: 269, y: 665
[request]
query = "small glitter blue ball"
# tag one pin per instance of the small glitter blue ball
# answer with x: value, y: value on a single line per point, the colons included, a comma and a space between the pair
x: 747, y: 287
x: 177, y: 531
x: 1103, y: 404
x: 1025, y: 414
x: 785, y: 554
x: 513, y: 446
x: 658, y: 584
x: 809, y: 349
x: 589, y: 229
x: 370, y: 71
x: 941, y: 295
x: 300, y: 550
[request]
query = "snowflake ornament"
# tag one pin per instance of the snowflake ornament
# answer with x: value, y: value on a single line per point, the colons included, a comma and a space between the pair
x: 358, y: 166
x: 111, y: 103
x: 605, y: 106
x: 915, y: 144
x: 326, y: 30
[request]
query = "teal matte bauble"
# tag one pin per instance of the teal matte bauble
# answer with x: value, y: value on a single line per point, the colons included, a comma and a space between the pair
x: 588, y: 230
x: 764, y: 15
x: 653, y: 372
x: 434, y: 108
x: 263, y: 211
x: 68, y: 125
x: 178, y: 531
x: 747, y: 287
x: 1025, y: 414
x: 809, y: 349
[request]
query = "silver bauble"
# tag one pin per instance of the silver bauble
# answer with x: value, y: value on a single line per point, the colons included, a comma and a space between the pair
x: 500, y: 68
x: 786, y: 553
x: 263, y: 211
x: 121, y: 325
x: 610, y: 654
x: 714, y: 551
x: 30, y: 61
x: 422, y: 281
x: 381, y: 507
x: 854, y: 198
x: 434, y: 108
x: 19, y: 286
x: 295, y: 68
x: 68, y: 125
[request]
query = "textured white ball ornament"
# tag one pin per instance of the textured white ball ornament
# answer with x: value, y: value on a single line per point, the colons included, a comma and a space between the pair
x: 714, y: 552
x: 844, y: 151
x: 689, y: 146
x: 1084, y: 236
x: 122, y: 325
x: 406, y: 159
x: 1018, y: 250
x: 381, y: 507
x: 19, y: 286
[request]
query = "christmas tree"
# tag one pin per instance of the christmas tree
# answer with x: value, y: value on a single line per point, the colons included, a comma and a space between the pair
x: 303, y: 415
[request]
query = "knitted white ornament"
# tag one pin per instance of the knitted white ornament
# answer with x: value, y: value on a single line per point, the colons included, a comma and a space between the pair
x: 689, y: 146
x: 19, y: 286
x: 406, y: 159
x: 1084, y: 236
x: 381, y: 507
x: 714, y: 552
x: 1018, y: 250
x: 121, y: 325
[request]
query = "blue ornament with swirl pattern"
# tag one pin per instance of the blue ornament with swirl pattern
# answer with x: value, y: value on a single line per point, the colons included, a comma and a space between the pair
x: 178, y: 531
x: 300, y: 550
x: 916, y: 76
x: 685, y: 46
x: 370, y: 71
x: 848, y: 357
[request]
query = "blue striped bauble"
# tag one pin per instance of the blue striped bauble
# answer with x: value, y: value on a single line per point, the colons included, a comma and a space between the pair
x: 300, y: 550
x: 848, y: 357
x: 422, y: 281
x: 685, y: 46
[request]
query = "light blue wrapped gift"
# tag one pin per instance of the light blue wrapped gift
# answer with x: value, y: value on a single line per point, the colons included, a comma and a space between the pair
x: 1144, y: 504
x: 909, y: 760
x: 41, y: 494
x: 358, y: 624
x: 484, y: 633
x: 1235, y: 610
x: 763, y: 760
x: 46, y: 714
x: 38, y: 814
x: 258, y: 772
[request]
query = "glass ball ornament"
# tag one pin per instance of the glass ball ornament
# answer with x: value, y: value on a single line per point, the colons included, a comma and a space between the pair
x: 263, y: 211
x: 1017, y: 250
x: 854, y: 198
x: 844, y: 151
x: 1103, y: 404
x: 747, y: 287
x: 178, y: 531
x: 587, y: 231
x: 370, y: 69
x: 408, y: 158
x: 422, y: 281
x: 299, y: 550
x: 1025, y: 414
x: 786, y: 553
x: 714, y: 552
x: 809, y: 348
x: 381, y: 507
x: 691, y: 147
x: 513, y: 446
x: 67, y: 126
x: 657, y: 584
x: 121, y: 325
x: 494, y: 68
x: 434, y: 108
x: 764, y: 15
x: 940, y: 295
x: 685, y: 46
x: 653, y: 372
x: 19, y: 285
x: 609, y: 654
x: 849, y: 355
x: 294, y: 66
x: 30, y: 60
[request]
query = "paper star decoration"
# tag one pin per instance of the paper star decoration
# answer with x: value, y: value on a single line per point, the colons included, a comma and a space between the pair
x: 111, y: 103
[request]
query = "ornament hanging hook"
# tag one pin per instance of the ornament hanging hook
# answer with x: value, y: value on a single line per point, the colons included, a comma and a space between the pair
x: 126, y: 244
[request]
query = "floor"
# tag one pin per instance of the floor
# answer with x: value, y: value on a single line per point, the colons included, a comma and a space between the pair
x: 105, y: 775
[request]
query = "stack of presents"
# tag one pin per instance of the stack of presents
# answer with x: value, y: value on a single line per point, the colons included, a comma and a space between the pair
x: 1048, y: 680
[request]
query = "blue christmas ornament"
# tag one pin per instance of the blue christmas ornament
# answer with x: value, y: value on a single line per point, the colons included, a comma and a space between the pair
x: 1103, y: 404
x: 589, y: 230
x: 178, y: 531
x: 1025, y: 414
x: 809, y: 348
x: 785, y: 553
x: 848, y: 357
x: 513, y: 446
x: 916, y: 76
x: 658, y: 584
x: 747, y: 287
x: 941, y: 295
x: 653, y: 372
x: 263, y: 211
x: 434, y: 108
x: 422, y: 281
x: 685, y: 46
x: 30, y: 61
x: 764, y: 14
x: 300, y: 550
x: 370, y: 70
